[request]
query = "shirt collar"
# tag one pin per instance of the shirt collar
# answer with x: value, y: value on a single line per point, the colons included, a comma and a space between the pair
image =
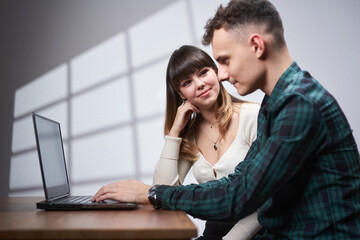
x: 280, y: 86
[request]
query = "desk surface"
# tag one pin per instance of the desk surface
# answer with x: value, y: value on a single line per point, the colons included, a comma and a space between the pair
x: 19, y: 219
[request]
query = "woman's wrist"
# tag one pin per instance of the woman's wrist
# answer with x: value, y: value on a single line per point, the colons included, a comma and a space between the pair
x: 174, y: 133
x: 171, y: 148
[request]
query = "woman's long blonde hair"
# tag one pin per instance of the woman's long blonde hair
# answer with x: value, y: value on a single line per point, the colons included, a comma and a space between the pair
x: 183, y: 63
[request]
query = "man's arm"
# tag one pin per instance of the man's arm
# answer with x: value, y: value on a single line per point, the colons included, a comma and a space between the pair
x: 296, y: 133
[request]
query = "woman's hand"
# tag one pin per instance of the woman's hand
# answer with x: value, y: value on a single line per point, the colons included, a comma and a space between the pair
x: 124, y: 191
x: 183, y: 114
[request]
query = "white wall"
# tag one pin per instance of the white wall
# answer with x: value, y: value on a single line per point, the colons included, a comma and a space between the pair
x: 98, y: 67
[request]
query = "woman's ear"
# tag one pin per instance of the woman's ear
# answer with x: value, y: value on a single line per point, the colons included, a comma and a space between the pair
x: 258, y: 45
x: 181, y: 95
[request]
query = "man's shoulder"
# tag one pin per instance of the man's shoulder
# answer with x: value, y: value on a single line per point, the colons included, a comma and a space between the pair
x: 305, y: 87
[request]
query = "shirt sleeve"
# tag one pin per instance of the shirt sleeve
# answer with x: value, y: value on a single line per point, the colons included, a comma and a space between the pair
x: 295, y: 132
x: 170, y: 170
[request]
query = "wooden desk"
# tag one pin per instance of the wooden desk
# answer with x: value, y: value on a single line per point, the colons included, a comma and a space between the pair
x: 19, y: 219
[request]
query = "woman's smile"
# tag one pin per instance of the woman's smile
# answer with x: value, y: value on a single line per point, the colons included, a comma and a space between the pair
x: 205, y: 93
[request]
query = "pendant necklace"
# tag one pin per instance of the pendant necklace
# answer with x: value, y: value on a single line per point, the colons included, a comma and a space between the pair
x: 215, y: 147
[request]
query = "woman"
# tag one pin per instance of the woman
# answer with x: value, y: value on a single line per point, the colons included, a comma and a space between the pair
x: 205, y: 128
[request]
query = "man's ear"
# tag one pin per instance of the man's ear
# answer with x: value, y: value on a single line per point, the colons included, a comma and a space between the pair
x: 258, y: 45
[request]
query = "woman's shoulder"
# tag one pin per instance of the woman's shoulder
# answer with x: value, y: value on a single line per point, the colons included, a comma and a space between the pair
x: 249, y: 111
x: 247, y: 106
x: 248, y: 117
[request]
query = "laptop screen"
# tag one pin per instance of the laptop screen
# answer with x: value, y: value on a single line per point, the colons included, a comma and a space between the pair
x: 51, y: 156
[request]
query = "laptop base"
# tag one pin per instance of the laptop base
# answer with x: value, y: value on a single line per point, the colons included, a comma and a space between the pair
x: 105, y: 205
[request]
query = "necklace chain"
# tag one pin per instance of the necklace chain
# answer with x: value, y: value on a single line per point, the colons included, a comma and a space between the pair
x: 215, y: 147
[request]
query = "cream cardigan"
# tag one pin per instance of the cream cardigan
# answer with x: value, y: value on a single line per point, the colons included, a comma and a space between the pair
x: 172, y: 170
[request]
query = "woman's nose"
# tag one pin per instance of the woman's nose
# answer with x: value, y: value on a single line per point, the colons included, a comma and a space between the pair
x: 199, y: 83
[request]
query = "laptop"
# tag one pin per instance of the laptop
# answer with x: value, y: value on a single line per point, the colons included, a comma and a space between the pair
x: 54, y: 174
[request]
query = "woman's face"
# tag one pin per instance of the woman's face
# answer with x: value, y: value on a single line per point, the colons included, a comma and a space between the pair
x: 201, y: 89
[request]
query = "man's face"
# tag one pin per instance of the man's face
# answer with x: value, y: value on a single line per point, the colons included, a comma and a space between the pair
x: 238, y: 62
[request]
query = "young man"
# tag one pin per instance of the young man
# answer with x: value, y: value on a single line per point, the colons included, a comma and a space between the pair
x: 303, y: 171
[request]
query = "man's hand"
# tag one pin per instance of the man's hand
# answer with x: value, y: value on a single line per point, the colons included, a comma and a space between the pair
x: 124, y: 191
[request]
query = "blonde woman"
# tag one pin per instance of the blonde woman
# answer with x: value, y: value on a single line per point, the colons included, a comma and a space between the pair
x: 205, y: 128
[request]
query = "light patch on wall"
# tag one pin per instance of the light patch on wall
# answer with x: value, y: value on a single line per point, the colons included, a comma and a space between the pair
x: 105, y: 155
x: 25, y: 171
x: 101, y: 63
x: 150, y: 87
x: 102, y: 107
x: 23, y: 135
x: 151, y: 140
x: 160, y: 34
x: 49, y: 88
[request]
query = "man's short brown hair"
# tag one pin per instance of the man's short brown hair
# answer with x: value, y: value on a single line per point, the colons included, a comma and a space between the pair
x: 239, y: 13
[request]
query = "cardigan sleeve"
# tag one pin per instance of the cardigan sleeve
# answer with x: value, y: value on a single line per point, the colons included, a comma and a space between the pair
x: 171, y: 169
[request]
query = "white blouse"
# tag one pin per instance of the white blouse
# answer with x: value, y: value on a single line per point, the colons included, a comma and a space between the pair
x: 172, y: 170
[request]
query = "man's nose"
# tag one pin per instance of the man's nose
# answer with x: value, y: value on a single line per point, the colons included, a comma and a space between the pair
x: 223, y: 74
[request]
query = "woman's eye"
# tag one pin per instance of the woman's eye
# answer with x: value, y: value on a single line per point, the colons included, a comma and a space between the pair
x: 203, y: 72
x: 185, y: 83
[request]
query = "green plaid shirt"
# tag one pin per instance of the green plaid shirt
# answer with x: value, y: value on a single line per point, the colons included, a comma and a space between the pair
x: 302, y: 172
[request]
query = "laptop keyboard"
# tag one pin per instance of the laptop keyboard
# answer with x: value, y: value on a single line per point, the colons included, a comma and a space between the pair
x: 75, y: 200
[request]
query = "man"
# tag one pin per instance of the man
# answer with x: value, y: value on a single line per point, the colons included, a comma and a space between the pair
x: 303, y: 171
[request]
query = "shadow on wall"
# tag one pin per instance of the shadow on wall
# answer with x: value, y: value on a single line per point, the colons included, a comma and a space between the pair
x: 110, y: 102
